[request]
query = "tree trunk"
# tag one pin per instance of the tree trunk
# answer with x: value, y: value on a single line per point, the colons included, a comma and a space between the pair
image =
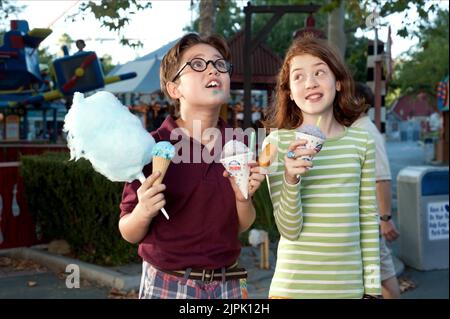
x: 336, y: 32
x: 207, y: 23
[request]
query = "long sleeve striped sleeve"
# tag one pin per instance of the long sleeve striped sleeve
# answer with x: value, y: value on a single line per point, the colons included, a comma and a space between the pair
x: 369, y: 223
x: 285, y: 197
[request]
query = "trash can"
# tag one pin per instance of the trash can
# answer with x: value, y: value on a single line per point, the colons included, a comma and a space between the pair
x: 422, y: 199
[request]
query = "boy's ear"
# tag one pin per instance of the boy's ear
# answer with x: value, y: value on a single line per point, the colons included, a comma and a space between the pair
x: 172, y: 89
x: 338, y: 86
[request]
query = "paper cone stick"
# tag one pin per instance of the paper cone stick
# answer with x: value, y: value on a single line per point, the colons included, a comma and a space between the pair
x: 318, y: 120
x: 252, y: 142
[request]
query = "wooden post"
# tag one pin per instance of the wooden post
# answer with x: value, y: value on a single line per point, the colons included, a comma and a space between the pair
x: 264, y: 250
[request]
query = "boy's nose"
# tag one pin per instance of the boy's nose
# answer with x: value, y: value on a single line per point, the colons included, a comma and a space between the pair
x: 212, y: 69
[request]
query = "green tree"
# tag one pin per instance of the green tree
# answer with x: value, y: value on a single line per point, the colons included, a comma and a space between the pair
x: 113, y: 15
x: 8, y: 8
x: 107, y: 64
x: 45, y: 57
x: 426, y: 63
x: 228, y: 18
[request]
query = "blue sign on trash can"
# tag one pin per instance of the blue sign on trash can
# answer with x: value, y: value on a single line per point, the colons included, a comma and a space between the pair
x: 423, y: 197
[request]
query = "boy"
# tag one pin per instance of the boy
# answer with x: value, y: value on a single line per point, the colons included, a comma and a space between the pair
x: 192, y: 255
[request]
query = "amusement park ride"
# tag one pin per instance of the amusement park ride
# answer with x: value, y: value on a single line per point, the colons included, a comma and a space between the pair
x: 23, y: 87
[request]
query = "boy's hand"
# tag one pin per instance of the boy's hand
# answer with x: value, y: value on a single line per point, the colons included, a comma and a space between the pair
x: 389, y: 231
x: 150, y: 198
x: 294, y: 166
x: 257, y: 175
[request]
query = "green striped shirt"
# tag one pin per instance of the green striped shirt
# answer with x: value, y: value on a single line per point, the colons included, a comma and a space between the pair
x: 328, y: 222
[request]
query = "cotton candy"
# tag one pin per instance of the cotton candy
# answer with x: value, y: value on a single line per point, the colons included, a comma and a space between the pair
x: 102, y: 130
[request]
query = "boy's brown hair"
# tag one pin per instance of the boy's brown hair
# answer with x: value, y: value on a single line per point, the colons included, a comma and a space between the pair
x: 284, y: 113
x: 170, y: 64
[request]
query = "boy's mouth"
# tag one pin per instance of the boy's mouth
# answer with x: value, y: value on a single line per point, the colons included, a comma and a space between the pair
x: 213, y: 84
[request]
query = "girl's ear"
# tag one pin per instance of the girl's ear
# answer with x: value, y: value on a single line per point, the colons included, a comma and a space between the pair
x: 172, y: 89
x: 338, y: 86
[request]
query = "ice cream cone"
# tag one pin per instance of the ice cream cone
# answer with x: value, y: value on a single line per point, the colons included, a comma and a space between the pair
x: 313, y: 142
x: 160, y: 164
x: 237, y: 166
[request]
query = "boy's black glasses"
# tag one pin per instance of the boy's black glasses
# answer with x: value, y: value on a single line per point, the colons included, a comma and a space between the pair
x: 200, y: 65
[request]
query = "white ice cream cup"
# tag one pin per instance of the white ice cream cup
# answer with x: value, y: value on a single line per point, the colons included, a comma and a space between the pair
x: 237, y: 166
x: 314, y: 142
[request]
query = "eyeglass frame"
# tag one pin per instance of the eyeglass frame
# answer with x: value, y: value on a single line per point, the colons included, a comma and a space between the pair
x: 230, y: 66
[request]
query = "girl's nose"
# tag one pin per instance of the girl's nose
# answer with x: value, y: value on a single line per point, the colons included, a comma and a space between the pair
x: 311, y: 82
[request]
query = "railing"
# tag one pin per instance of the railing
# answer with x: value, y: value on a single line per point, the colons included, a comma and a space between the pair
x: 17, y: 227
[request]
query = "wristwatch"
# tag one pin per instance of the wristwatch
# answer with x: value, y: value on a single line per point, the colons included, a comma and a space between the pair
x: 385, y: 218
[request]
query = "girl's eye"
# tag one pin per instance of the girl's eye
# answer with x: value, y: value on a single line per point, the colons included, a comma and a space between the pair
x: 297, y: 76
x: 320, y: 72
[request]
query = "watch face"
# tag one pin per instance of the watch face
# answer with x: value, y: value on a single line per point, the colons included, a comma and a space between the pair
x: 385, y: 218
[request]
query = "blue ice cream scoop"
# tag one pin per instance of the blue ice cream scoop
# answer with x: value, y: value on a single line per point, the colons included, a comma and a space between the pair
x: 163, y: 149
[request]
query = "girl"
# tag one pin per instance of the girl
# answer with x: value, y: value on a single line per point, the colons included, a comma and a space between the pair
x: 324, y: 210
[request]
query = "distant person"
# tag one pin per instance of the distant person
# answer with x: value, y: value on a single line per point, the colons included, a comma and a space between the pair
x: 239, y: 111
x: 388, y: 231
x: 80, y: 44
x: 256, y: 113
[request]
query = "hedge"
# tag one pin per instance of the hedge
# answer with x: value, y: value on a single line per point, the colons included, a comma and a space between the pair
x: 70, y: 201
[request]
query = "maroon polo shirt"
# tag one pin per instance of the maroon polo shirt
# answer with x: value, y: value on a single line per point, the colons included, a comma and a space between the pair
x: 202, y: 231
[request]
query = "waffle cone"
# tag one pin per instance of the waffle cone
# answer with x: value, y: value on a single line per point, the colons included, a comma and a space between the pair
x: 160, y: 164
x: 267, y: 155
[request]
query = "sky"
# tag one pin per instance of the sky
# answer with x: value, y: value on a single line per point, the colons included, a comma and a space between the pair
x: 154, y: 27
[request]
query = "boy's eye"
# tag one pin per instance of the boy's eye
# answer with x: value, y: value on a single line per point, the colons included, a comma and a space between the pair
x: 197, y: 64
x: 221, y: 64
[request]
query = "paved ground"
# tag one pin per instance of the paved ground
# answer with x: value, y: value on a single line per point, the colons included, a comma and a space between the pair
x: 25, y: 279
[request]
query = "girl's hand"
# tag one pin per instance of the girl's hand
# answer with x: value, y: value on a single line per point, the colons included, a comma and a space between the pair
x: 257, y: 175
x: 150, y: 198
x: 295, y: 167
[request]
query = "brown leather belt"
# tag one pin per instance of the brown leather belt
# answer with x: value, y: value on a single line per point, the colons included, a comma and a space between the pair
x: 208, y: 275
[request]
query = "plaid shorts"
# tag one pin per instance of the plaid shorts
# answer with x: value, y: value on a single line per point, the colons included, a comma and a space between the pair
x: 156, y: 284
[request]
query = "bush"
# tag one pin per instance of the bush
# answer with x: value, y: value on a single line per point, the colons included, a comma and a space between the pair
x: 264, y: 214
x: 70, y: 201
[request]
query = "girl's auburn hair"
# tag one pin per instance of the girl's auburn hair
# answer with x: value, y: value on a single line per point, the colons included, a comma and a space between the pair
x: 284, y: 113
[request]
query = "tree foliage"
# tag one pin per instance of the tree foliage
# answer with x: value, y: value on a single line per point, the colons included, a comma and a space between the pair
x: 8, y: 8
x: 427, y: 63
x: 107, y: 64
x: 113, y: 15
x: 229, y: 18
